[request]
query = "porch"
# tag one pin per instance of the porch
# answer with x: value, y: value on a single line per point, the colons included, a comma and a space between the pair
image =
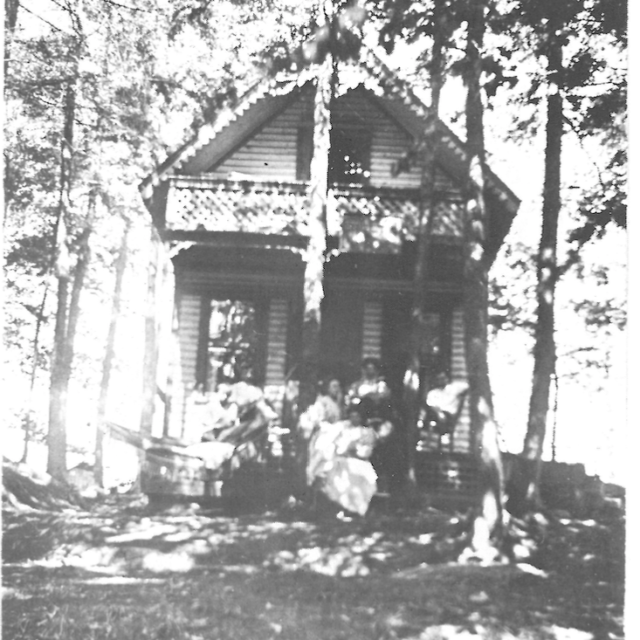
x: 239, y: 245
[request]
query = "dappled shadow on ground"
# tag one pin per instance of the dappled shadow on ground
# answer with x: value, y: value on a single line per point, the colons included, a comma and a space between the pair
x: 122, y: 570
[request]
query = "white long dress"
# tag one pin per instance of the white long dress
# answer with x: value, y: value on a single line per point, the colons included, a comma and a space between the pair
x: 339, y: 465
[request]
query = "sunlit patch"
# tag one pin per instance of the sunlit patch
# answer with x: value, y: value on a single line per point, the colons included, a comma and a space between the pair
x: 339, y: 561
x: 158, y: 562
x: 13, y: 594
x: 568, y: 633
x: 528, y: 568
x: 121, y: 580
x: 425, y: 538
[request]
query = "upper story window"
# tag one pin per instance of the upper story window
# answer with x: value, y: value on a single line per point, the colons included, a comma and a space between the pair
x: 349, y: 156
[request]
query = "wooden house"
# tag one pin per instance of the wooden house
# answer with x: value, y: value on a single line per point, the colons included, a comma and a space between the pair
x: 231, y: 211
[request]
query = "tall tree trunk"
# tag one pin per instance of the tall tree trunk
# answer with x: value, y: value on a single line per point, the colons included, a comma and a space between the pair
x: 79, y: 277
x: 315, y: 254
x: 317, y: 245
x: 66, y: 349
x: 29, y: 421
x: 109, y: 356
x: 414, y: 382
x: 57, y: 436
x: 487, y: 525
x: 10, y: 22
x: 544, y: 352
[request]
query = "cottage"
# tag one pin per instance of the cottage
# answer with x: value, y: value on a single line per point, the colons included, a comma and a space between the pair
x: 231, y: 209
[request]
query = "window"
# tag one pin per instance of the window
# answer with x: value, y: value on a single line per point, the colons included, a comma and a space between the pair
x: 350, y: 156
x: 305, y: 153
x: 232, y: 342
x: 242, y: 340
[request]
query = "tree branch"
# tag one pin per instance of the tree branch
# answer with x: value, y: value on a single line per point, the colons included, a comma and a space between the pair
x: 53, y: 26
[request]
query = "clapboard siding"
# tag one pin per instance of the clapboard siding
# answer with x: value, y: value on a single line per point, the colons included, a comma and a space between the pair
x: 188, y: 330
x: 271, y: 154
x: 372, y: 329
x: 277, y: 342
x: 189, y: 322
x: 459, y: 372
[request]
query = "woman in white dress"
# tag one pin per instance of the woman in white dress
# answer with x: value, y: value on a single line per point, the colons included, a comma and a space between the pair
x: 339, y: 464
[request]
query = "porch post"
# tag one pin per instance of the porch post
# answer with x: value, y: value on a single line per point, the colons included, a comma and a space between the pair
x: 150, y: 338
x: 165, y: 335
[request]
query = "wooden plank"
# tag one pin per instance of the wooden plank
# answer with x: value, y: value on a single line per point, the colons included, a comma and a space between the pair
x: 459, y: 372
x: 237, y: 239
x: 189, y: 308
x: 372, y: 329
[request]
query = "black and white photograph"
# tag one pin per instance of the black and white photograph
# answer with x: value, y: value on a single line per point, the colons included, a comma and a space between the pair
x: 315, y: 320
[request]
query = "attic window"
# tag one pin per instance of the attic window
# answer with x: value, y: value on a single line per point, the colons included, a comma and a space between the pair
x: 350, y: 156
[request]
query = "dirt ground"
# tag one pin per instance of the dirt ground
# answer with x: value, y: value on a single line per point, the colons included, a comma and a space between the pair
x: 118, y: 569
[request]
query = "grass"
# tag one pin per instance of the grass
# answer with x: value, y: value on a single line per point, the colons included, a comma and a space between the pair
x: 121, y: 573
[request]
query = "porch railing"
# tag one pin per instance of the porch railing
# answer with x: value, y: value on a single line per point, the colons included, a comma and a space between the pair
x: 366, y: 218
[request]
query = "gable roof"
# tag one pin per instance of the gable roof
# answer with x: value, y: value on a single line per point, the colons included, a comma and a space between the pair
x: 268, y: 97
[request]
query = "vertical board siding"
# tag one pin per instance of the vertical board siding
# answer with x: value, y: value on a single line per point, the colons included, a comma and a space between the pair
x: 372, y: 329
x: 459, y: 372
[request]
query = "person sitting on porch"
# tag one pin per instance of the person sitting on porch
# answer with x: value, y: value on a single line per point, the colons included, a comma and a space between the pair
x: 374, y: 396
x: 328, y: 407
x: 370, y: 385
x: 443, y: 403
x: 339, y: 464
x: 331, y: 402
x: 206, y: 413
x: 246, y: 411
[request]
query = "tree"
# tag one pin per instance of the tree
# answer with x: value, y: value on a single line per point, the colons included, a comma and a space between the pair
x: 488, y: 521
x: 62, y: 356
x: 109, y: 355
x: 439, y: 25
x: 128, y: 81
x: 552, y: 29
x: 425, y: 152
x: 544, y: 353
x: 317, y: 243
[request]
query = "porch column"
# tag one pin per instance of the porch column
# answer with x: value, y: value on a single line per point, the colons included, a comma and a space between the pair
x: 159, y: 306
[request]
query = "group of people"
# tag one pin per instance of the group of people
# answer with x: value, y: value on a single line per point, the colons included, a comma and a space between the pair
x: 355, y: 449
x: 349, y: 436
x: 353, y: 442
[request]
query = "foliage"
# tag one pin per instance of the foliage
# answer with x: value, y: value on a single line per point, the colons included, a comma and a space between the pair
x: 147, y: 78
x: 144, y: 79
